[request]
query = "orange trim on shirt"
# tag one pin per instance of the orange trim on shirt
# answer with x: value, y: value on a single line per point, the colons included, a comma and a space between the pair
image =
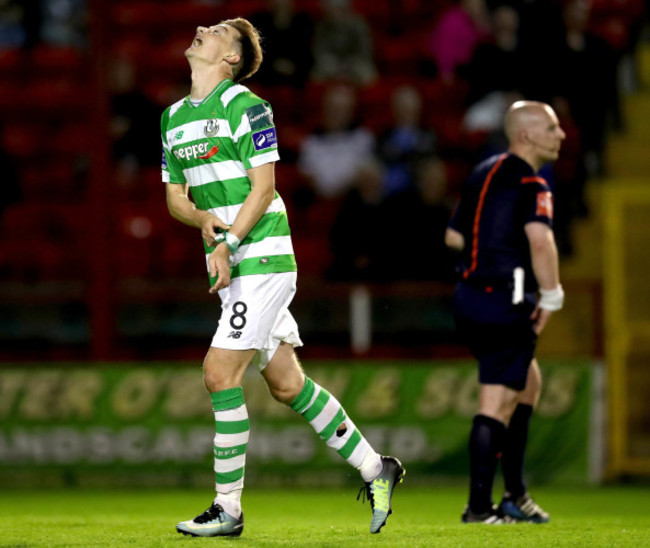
x: 539, y: 180
x: 477, y: 215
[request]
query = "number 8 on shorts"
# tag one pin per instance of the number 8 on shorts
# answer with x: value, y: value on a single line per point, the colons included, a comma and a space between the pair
x: 238, y: 319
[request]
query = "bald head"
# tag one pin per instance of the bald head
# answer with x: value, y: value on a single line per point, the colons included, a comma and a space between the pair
x: 524, y: 114
x: 533, y: 131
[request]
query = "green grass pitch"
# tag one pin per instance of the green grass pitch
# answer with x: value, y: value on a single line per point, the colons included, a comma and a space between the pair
x: 610, y: 516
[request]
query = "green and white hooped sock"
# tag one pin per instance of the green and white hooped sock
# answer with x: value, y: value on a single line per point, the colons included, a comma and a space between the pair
x: 230, y: 442
x: 327, y: 416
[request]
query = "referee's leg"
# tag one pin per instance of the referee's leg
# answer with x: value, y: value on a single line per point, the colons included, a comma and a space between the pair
x: 516, y: 438
x: 496, y: 405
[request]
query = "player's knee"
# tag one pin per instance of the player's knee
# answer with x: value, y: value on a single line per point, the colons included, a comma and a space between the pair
x: 216, y: 381
x: 287, y: 391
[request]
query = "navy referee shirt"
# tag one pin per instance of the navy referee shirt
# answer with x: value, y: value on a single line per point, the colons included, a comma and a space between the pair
x: 499, y: 198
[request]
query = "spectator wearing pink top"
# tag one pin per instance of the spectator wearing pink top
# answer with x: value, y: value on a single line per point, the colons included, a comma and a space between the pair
x: 456, y: 35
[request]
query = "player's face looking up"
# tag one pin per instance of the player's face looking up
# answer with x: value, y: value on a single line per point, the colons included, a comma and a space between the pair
x: 212, y: 44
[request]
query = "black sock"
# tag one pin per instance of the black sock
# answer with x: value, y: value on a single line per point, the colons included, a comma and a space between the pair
x: 485, y: 445
x: 514, y: 447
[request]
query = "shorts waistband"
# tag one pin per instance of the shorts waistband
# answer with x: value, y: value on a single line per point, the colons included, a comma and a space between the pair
x: 488, y: 285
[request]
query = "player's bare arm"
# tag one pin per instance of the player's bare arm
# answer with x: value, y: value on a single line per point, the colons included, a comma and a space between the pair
x: 454, y: 240
x: 257, y: 202
x: 545, y: 262
x: 183, y: 209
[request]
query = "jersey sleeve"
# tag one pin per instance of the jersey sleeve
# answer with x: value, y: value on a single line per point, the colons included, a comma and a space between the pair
x: 538, y: 200
x: 170, y: 166
x: 254, y: 133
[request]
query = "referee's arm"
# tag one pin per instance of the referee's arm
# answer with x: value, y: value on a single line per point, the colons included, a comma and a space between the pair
x: 544, y: 257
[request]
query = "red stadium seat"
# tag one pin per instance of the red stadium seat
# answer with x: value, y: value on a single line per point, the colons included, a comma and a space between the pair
x: 22, y: 140
x: 11, y: 61
x: 45, y: 241
x: 62, y: 93
x: 46, y: 58
x: 11, y: 96
x: 141, y: 13
x: 374, y: 103
x: 313, y: 254
x: 49, y: 182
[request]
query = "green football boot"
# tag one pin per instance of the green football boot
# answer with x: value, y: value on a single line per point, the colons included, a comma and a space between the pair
x: 214, y: 522
x: 380, y: 491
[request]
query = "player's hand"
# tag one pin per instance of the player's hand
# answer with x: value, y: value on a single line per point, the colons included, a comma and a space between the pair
x: 209, y: 228
x: 540, y: 316
x: 219, y: 266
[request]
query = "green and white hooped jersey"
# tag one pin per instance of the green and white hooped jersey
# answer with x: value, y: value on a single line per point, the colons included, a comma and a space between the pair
x: 210, y: 147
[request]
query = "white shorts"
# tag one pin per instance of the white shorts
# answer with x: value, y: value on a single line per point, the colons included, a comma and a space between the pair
x: 255, y: 315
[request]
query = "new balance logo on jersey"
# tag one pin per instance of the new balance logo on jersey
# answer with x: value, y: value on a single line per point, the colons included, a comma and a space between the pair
x: 234, y: 335
x: 192, y: 151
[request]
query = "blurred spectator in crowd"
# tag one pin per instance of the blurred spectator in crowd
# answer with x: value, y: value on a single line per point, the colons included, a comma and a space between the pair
x: 456, y: 35
x: 342, y: 45
x: 424, y: 212
x: 134, y: 117
x: 12, y: 29
x: 11, y: 189
x: 286, y: 36
x: 485, y: 117
x: 620, y: 24
x: 64, y: 22
x: 586, y: 63
x: 497, y: 64
x: 568, y: 179
x: 406, y: 141
x: 134, y: 125
x: 330, y: 157
x: 540, y: 33
x: 359, y: 234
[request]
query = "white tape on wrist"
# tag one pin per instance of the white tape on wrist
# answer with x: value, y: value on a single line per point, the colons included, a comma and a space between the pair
x: 551, y: 299
x: 232, y: 242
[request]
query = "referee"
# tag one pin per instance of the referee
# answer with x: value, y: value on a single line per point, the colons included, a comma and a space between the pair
x: 502, y: 229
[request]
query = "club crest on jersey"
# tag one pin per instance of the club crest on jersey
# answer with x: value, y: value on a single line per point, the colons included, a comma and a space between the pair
x: 211, y: 127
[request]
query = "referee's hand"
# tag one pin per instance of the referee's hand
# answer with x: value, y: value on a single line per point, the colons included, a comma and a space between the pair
x: 540, y: 316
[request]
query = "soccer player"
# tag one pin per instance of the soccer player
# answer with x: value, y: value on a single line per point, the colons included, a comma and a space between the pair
x: 220, y: 145
x: 502, y: 229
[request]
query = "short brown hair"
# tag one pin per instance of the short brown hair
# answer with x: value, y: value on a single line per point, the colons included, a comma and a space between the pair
x: 251, y: 49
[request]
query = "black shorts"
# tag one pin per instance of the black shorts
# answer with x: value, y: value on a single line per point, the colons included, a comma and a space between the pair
x: 499, y: 334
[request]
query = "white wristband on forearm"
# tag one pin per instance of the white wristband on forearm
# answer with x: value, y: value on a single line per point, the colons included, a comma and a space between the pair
x: 232, y: 242
x: 551, y: 299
